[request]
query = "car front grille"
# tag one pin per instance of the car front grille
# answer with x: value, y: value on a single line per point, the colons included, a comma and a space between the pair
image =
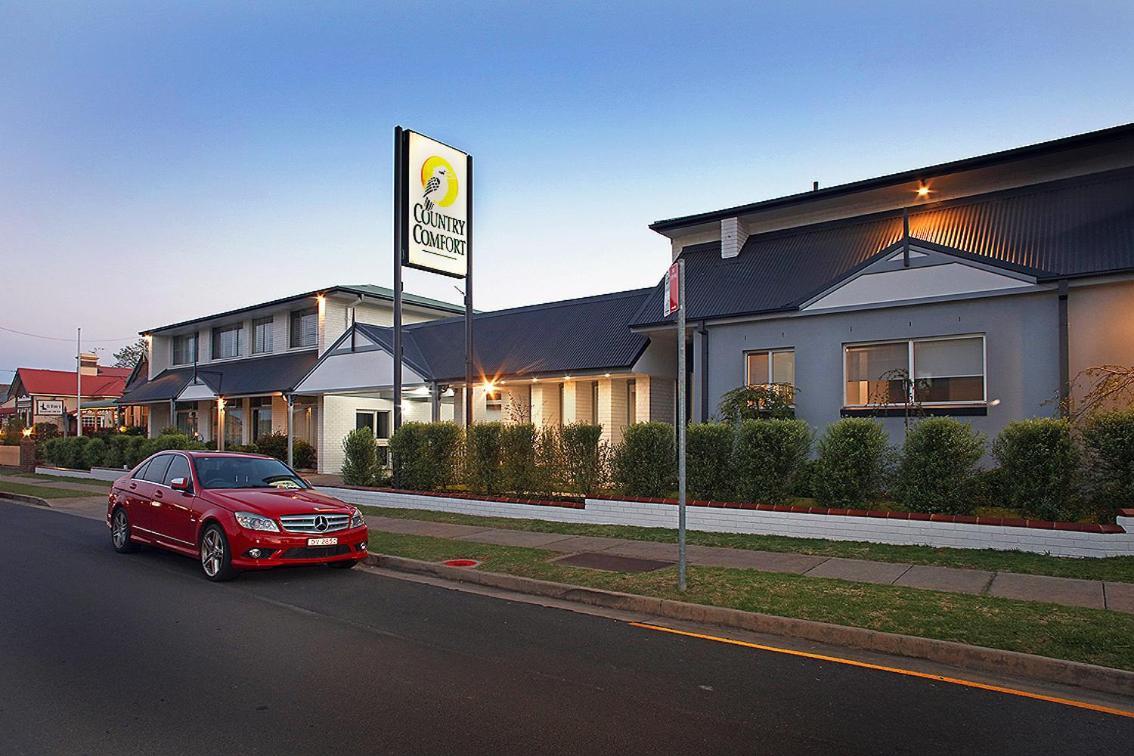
x: 315, y: 523
x: 316, y: 552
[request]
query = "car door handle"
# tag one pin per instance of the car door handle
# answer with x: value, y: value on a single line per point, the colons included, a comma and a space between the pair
x: 158, y: 494
x: 133, y: 486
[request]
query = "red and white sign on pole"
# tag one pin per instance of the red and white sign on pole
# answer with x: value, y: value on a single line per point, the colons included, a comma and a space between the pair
x: 672, y: 290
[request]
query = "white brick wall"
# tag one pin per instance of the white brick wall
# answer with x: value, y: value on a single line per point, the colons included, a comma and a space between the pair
x: 833, y: 527
x: 545, y: 404
x: 338, y: 419
x: 612, y: 400
x: 733, y: 236
x: 663, y: 400
x: 642, y: 387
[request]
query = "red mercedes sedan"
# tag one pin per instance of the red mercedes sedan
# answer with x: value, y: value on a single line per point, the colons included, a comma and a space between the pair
x: 232, y: 511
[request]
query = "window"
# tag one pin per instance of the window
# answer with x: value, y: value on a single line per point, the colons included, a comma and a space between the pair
x: 377, y: 421
x: 178, y: 468
x: 234, y: 422
x: 185, y: 349
x: 594, y: 403
x: 364, y: 420
x: 305, y: 328
x: 944, y: 371
x: 770, y: 367
x: 493, y: 406
x: 226, y: 341
x: 155, y: 471
x: 186, y: 420
x: 383, y: 424
x: 262, y: 335
x: 261, y: 417
x: 631, y: 402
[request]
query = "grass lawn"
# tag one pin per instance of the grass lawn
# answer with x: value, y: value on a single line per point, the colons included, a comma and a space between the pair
x: 99, y: 484
x: 1088, y: 635
x: 1118, y: 569
x: 44, y: 492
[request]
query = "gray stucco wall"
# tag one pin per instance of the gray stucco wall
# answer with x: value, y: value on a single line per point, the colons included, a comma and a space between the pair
x: 1022, y: 348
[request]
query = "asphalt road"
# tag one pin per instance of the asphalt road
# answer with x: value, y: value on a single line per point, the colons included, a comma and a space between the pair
x: 102, y: 653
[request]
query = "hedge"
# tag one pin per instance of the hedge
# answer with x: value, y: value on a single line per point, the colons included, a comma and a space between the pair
x: 1108, y: 441
x: 938, y: 468
x: 645, y: 461
x: 483, y: 460
x: 584, y: 458
x: 360, y: 458
x: 519, y: 472
x: 1039, y: 464
x: 117, y: 450
x: 708, y: 461
x: 767, y: 456
x: 850, y: 467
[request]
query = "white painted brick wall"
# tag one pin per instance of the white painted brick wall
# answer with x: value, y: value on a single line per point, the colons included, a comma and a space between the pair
x: 733, y: 236
x: 833, y: 527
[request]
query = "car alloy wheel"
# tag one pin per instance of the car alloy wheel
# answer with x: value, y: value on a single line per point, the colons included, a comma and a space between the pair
x: 120, y: 532
x: 212, y: 552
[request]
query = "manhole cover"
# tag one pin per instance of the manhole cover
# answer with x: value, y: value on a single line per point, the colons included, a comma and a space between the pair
x: 460, y: 563
x: 596, y: 561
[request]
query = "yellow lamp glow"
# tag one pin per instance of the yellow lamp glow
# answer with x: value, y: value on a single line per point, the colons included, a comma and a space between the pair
x: 923, y: 191
x: 27, y: 432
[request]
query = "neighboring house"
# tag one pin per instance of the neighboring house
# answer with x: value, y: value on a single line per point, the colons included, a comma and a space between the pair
x: 224, y: 377
x: 51, y: 396
x: 983, y: 287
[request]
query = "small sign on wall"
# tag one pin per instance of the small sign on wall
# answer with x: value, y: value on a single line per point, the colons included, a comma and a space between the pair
x: 49, y: 407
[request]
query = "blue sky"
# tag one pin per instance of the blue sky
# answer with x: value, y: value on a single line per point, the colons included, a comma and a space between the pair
x: 160, y: 161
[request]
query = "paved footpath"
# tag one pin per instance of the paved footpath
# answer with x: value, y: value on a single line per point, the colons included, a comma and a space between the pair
x: 1095, y: 594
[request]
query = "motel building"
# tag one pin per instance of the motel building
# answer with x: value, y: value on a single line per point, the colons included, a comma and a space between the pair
x: 979, y: 289
x: 52, y: 396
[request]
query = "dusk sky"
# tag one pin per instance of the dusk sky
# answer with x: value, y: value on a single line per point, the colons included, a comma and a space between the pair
x: 160, y: 161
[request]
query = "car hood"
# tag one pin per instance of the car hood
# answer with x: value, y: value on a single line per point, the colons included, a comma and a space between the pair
x: 273, y: 502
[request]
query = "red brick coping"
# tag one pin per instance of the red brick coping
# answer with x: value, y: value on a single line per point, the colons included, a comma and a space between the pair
x: 1081, y: 527
x: 568, y: 503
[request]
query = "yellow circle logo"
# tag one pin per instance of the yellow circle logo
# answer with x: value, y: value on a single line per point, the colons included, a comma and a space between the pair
x: 439, y: 181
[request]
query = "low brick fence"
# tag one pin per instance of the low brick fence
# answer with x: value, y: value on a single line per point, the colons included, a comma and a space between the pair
x: 899, y: 528
x: 9, y: 456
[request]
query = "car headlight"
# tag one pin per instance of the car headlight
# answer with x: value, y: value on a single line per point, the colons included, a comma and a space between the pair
x: 356, y: 520
x: 256, y: 522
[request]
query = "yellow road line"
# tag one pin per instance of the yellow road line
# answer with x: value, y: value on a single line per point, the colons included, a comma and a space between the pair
x: 895, y: 670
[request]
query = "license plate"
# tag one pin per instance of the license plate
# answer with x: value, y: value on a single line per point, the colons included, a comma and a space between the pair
x: 322, y: 541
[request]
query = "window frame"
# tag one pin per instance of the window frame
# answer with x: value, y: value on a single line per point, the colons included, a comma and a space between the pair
x: 291, y: 316
x: 910, y: 369
x: 270, y: 322
x: 217, y: 332
x: 196, y: 353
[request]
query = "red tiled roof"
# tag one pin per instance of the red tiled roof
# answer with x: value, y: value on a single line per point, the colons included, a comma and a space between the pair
x: 108, y: 383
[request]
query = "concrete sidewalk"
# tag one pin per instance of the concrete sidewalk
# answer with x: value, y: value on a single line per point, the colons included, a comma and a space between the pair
x: 1094, y: 594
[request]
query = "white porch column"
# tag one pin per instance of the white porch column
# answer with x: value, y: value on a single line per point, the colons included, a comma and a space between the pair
x: 612, y: 408
x: 290, y: 431
x: 545, y: 404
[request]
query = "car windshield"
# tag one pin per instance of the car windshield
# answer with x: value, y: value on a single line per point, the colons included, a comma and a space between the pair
x: 246, y: 472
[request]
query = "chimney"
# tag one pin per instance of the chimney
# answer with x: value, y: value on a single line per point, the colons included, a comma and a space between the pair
x: 814, y: 186
x: 733, y: 237
x: 88, y: 363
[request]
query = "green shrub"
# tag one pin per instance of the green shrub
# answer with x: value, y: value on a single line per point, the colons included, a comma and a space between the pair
x: 407, y: 455
x: 938, y: 467
x: 518, y: 471
x: 803, y: 484
x: 483, y: 461
x: 850, y: 467
x: 768, y: 456
x: 551, y: 477
x: 645, y: 461
x: 133, y: 451
x: 771, y: 402
x: 1040, y: 464
x: 584, y: 458
x: 13, y: 431
x: 115, y: 445
x: 444, y: 444
x: 303, y: 455
x: 708, y: 461
x: 274, y: 445
x: 360, y: 458
x: 94, y: 453
x: 52, y: 451
x: 1108, y: 439
x: 170, y: 430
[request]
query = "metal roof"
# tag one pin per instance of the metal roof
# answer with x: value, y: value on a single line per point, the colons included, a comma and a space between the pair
x: 1068, y: 228
x: 980, y: 161
x: 261, y: 375
x: 556, y: 338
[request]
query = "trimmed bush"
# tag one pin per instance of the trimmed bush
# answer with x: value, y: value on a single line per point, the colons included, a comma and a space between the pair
x: 645, y: 463
x: 1040, y: 463
x: 441, y: 456
x: 768, y: 456
x: 772, y: 402
x: 94, y: 453
x: 1108, y: 439
x: 274, y: 445
x: 851, y: 464
x: 407, y: 453
x: 551, y: 475
x: 708, y: 461
x: 518, y: 471
x: 360, y: 458
x: 483, y: 463
x: 584, y: 458
x: 938, y: 467
x: 133, y: 451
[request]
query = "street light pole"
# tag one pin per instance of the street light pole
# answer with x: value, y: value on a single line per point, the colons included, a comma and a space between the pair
x: 681, y: 426
x: 78, y: 383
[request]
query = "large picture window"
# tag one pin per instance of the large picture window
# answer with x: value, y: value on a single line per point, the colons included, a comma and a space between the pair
x: 262, y: 335
x: 926, y: 371
x: 185, y: 349
x: 305, y: 328
x: 771, y: 367
x: 226, y: 341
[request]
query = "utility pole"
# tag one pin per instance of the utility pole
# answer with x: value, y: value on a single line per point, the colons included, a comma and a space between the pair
x: 78, y: 383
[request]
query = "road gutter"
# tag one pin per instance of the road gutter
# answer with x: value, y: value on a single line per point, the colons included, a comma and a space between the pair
x: 1028, y: 666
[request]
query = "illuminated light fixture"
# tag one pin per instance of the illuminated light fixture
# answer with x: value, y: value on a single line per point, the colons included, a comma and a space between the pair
x: 606, y: 375
x: 534, y: 380
x: 220, y: 402
x: 27, y: 432
x: 489, y: 386
x: 923, y: 191
x: 122, y: 429
x: 566, y: 377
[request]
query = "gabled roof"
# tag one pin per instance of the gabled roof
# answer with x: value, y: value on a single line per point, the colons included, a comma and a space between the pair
x: 261, y: 375
x: 556, y: 338
x: 108, y: 382
x: 1061, y: 229
x: 368, y: 290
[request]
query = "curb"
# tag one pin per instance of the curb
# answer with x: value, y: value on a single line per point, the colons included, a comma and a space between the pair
x: 25, y: 498
x: 1014, y: 663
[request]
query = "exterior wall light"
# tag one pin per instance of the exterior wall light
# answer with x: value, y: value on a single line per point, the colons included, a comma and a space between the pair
x: 27, y: 432
x: 923, y: 191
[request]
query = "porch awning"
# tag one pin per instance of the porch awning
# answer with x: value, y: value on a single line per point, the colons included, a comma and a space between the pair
x: 261, y: 375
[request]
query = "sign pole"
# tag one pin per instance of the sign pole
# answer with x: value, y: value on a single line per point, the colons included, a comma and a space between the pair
x: 469, y: 299
x: 681, y: 426
x: 399, y: 237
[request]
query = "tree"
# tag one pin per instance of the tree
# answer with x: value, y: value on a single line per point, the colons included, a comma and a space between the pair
x: 130, y: 355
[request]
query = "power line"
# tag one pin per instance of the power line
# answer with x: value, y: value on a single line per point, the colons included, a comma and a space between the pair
x: 57, y: 338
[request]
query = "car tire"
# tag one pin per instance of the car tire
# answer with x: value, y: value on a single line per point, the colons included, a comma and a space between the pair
x: 120, y: 532
x: 216, y: 557
x: 346, y: 564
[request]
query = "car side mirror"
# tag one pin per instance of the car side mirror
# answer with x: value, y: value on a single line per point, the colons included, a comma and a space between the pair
x: 181, y: 484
